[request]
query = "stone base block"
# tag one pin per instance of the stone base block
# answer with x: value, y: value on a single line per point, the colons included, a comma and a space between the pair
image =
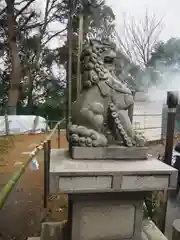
x: 109, y: 153
x: 149, y: 231
x: 53, y: 231
x: 34, y: 238
x: 77, y: 176
x: 105, y: 216
x: 176, y: 230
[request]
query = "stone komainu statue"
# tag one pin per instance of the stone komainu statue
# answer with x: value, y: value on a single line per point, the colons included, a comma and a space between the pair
x: 99, y: 115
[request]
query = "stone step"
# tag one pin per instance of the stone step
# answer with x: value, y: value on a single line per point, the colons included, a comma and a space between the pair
x: 151, y: 232
x: 53, y: 230
x: 34, y: 238
x: 57, y: 231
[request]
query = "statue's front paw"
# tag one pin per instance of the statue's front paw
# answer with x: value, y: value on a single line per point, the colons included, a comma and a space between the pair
x: 84, y: 137
x: 139, y: 141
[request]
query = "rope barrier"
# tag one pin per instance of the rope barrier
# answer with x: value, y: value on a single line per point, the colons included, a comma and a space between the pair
x: 6, y: 190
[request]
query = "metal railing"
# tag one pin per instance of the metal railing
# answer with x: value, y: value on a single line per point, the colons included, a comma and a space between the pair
x: 46, y: 146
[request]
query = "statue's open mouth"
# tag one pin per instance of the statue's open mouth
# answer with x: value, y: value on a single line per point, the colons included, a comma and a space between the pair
x: 108, y: 60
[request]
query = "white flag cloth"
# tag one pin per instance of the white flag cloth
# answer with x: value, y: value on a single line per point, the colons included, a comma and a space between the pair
x: 34, y: 165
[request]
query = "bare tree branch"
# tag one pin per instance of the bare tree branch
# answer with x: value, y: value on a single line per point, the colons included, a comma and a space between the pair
x: 21, y: 10
x: 43, y: 29
x: 25, y: 27
x: 27, y: 20
x: 3, y: 11
x: 24, y: 8
x: 140, y: 38
x: 54, y: 35
x: 19, y: 3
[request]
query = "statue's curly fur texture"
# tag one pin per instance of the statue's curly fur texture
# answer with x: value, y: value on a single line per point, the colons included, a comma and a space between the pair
x: 92, y: 66
x: 99, y: 115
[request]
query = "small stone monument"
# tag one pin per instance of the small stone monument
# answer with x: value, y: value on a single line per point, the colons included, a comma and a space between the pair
x: 106, y: 172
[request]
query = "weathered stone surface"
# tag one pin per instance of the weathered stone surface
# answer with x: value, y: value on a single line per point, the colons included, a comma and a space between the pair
x: 149, y: 229
x: 176, y: 230
x: 53, y: 231
x: 85, y: 183
x: 151, y: 232
x: 110, y: 183
x: 62, y: 163
x: 100, y: 112
x: 70, y: 175
x: 144, y: 236
x: 106, y: 197
x: 114, y: 219
x: 106, y: 216
x: 33, y: 238
x: 110, y: 153
x: 145, y: 182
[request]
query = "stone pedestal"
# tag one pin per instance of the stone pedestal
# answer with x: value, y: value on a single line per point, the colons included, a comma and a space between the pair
x: 105, y: 216
x: 106, y: 197
x: 176, y: 230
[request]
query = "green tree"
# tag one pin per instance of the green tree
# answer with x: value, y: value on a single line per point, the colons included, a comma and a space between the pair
x: 38, y: 86
x: 167, y: 53
x: 98, y: 22
x: 9, y: 17
x: 165, y: 61
x: 25, y: 48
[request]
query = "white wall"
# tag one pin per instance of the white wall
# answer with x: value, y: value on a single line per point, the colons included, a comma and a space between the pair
x: 147, y: 118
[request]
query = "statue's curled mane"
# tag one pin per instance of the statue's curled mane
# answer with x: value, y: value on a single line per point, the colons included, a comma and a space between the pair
x: 92, y: 65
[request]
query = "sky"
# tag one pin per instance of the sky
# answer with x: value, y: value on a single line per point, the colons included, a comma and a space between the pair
x: 168, y: 9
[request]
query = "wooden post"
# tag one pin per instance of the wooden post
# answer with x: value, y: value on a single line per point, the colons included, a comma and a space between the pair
x: 49, y: 158
x: 176, y: 230
x: 47, y: 151
x: 159, y: 216
x: 80, y: 40
x: 69, y: 72
x: 59, y: 135
x: 6, y: 124
x: 172, y: 101
x: 47, y: 122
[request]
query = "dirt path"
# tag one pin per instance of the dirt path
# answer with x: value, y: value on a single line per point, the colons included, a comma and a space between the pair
x: 23, y: 212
